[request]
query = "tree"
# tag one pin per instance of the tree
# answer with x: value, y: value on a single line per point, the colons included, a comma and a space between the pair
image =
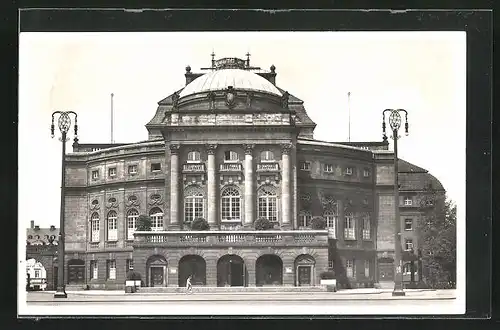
x: 318, y: 223
x: 144, y: 223
x: 200, y: 224
x: 437, y: 240
x: 263, y: 224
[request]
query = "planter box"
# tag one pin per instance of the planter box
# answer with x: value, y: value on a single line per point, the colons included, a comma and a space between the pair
x: 137, y: 284
x: 329, y: 282
x: 130, y: 286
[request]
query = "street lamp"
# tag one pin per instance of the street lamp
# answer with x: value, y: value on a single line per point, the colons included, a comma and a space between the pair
x: 64, y: 123
x: 395, y: 123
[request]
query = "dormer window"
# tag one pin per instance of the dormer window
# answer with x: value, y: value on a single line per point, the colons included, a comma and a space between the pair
x: 408, y: 201
x: 193, y: 157
x: 366, y: 173
x: 95, y: 175
x: 230, y: 156
x: 267, y: 156
x: 132, y: 169
x: 328, y: 168
x: 348, y: 171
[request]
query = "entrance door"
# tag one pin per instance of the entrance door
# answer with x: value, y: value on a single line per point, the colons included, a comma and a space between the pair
x: 385, y: 272
x: 156, y: 276
x: 236, y: 274
x: 304, y: 275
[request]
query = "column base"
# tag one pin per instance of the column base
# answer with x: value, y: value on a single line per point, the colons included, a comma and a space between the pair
x: 214, y: 227
x: 174, y: 227
x: 286, y: 226
x: 398, y: 293
x: 60, y: 293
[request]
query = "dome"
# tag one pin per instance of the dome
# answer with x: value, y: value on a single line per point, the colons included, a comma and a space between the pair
x: 221, y: 79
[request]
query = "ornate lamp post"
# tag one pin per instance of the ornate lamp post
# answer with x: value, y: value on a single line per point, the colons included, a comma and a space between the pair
x: 64, y: 123
x: 395, y: 123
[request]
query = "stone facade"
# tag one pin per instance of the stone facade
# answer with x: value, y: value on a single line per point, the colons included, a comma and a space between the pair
x: 258, y: 146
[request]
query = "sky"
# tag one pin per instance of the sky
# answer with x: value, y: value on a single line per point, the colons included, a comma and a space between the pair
x: 422, y: 72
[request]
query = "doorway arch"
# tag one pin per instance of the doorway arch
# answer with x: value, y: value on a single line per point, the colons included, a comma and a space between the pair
x: 195, y: 266
x: 156, y: 267
x: 268, y: 270
x: 76, y: 271
x: 305, y: 270
x: 231, y: 271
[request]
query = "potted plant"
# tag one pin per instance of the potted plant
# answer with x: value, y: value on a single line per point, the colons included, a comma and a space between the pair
x: 318, y: 223
x: 200, y: 224
x: 328, y: 279
x: 144, y: 223
x: 130, y: 282
x: 263, y: 224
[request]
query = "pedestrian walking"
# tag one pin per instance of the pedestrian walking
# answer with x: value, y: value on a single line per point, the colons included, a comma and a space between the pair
x: 189, y: 287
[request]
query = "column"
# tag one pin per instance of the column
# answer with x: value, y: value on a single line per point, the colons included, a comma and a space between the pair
x: 285, y: 185
x: 211, y: 192
x: 249, y: 198
x: 174, y: 186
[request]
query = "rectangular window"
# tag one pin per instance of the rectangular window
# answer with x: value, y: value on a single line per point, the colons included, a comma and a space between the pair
x: 331, y: 223
x: 157, y: 222
x: 155, y: 167
x: 367, y: 268
x: 305, y: 219
x: 348, y: 171
x: 349, y: 268
x: 95, y: 230
x: 131, y: 225
x: 349, y: 227
x: 132, y: 169
x: 112, y: 229
x: 305, y: 166
x: 95, y: 175
x: 111, y: 269
x: 366, y: 173
x: 230, y: 156
x: 366, y: 227
x: 267, y: 208
x: 112, y: 171
x: 408, y: 224
x: 130, y: 265
x: 328, y: 168
x: 330, y: 264
x: 94, y: 270
x: 408, y: 244
x: 37, y: 273
x: 408, y: 201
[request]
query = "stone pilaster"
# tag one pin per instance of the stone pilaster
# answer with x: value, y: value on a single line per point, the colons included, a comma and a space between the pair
x: 285, y: 186
x: 174, y: 186
x: 211, y: 191
x: 249, y: 190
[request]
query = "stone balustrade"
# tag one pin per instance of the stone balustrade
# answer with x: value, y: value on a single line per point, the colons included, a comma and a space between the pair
x: 193, y: 168
x: 267, y: 167
x: 230, y: 167
x: 231, y: 238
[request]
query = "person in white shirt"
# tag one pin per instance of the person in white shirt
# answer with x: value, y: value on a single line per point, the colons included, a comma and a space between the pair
x: 189, y: 287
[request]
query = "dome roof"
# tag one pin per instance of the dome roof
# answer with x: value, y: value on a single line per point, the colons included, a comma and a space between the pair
x: 237, y: 78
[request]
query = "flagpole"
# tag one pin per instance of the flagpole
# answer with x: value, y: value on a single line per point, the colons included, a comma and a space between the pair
x: 349, y: 106
x: 112, y: 118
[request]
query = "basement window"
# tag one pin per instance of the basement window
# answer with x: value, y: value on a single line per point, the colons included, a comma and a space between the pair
x: 155, y: 167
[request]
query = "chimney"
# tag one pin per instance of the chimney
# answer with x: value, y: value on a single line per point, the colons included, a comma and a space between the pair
x: 37, y: 227
x: 32, y: 224
x: 52, y: 228
x: 188, y: 75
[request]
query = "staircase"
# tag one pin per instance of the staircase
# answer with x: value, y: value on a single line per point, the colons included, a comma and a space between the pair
x: 207, y: 289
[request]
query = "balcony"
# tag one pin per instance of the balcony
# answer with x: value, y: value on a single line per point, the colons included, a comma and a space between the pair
x: 268, y: 167
x: 226, y: 238
x: 230, y: 167
x: 193, y: 168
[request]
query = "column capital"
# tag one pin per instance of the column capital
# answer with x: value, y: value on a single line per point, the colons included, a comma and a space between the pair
x: 211, y: 148
x: 286, y: 147
x: 248, y: 148
x: 174, y: 148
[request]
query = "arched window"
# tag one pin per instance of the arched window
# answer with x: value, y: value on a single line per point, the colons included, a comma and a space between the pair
x: 112, y: 228
x: 231, y: 204
x: 193, y: 204
x: 94, y: 224
x: 349, y: 226
x: 132, y: 216
x: 268, y: 203
x: 267, y: 156
x: 156, y: 215
x: 331, y: 219
x: 230, y: 156
x: 366, y: 227
x: 305, y: 218
x: 193, y: 157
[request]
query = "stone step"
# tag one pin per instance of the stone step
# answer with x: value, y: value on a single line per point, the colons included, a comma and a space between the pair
x: 234, y: 289
x: 386, y: 285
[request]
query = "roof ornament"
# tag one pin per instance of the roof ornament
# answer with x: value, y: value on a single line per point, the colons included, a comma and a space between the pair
x: 248, y: 59
x: 211, y: 100
x: 249, y: 99
x: 213, y: 59
x: 230, y: 97
x: 284, y: 100
x: 175, y: 100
